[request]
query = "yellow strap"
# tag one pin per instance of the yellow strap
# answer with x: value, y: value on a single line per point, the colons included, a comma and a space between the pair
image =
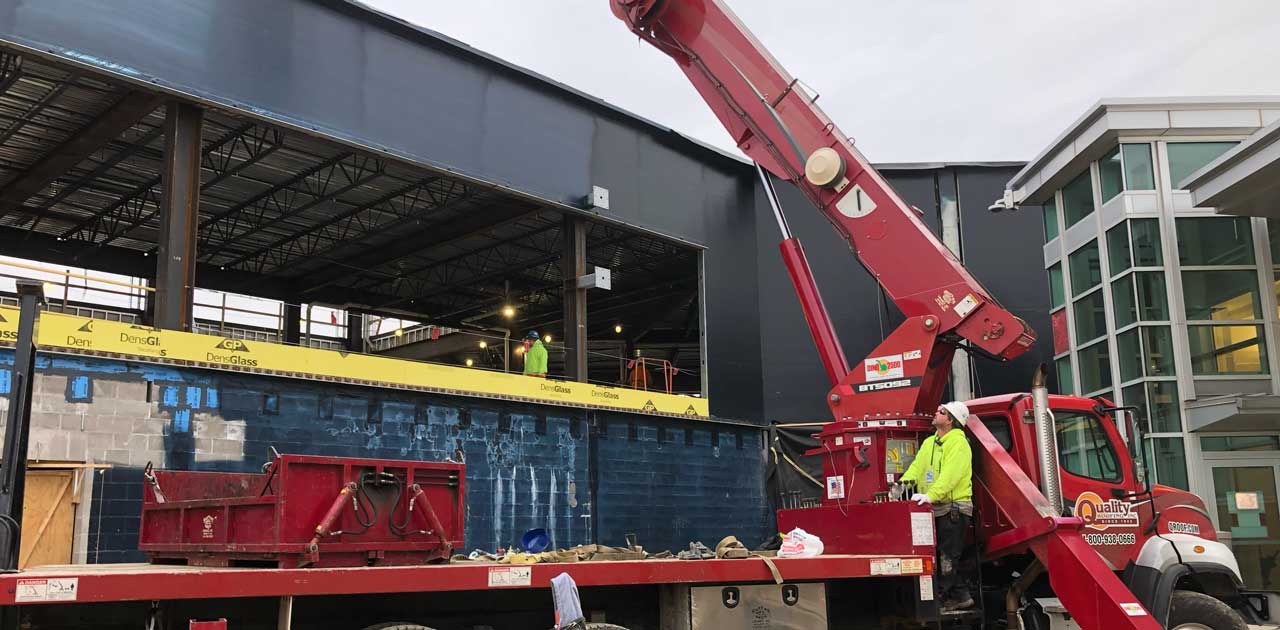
x: 801, y: 471
x: 773, y: 568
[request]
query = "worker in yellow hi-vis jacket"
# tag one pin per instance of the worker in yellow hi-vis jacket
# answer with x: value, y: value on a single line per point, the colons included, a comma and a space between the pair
x: 943, y: 472
x: 535, y: 355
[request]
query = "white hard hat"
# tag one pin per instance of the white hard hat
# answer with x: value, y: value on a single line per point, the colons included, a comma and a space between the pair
x: 958, y: 410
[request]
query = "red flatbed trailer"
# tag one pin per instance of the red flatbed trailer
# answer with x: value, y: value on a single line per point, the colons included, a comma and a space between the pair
x: 110, y: 595
x: 151, y: 582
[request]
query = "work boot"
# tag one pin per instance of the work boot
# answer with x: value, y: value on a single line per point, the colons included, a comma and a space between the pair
x: 960, y: 602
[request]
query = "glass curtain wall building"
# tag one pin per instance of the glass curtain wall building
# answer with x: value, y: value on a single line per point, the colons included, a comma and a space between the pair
x: 1166, y: 306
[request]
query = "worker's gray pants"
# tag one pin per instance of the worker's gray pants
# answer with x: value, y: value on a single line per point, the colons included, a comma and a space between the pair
x: 952, y: 528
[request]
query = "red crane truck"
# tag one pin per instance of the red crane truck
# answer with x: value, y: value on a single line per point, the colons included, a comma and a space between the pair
x: 1069, y: 533
x: 1120, y: 553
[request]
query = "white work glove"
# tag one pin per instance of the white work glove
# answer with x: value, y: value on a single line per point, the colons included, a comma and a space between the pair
x: 920, y: 499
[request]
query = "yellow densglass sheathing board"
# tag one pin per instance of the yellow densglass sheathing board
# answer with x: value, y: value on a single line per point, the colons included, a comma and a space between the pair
x: 78, y: 335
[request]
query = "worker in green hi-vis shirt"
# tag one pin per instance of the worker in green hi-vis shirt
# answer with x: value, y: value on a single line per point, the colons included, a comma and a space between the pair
x: 535, y: 355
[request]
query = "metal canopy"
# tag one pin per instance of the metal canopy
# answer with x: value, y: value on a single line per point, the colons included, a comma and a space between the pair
x: 1234, y: 413
x: 294, y: 217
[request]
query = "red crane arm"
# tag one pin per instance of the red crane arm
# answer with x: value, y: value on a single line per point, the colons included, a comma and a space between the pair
x: 777, y: 123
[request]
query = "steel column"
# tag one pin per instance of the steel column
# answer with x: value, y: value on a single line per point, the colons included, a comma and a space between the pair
x: 292, y: 327
x: 355, y: 331
x: 180, y: 216
x: 284, y: 618
x: 573, y: 261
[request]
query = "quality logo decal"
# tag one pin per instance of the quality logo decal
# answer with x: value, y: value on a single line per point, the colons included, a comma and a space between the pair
x: 1101, y: 515
x: 883, y: 368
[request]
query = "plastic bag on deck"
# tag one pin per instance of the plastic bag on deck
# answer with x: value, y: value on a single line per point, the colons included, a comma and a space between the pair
x: 798, y: 543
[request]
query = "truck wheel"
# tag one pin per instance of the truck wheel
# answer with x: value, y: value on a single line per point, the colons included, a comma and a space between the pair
x: 1189, y: 610
x: 396, y: 625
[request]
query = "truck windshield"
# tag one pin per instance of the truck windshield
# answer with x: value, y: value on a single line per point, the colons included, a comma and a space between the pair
x: 1083, y: 447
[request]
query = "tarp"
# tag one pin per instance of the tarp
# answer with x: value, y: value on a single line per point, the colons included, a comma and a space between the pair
x: 794, y: 479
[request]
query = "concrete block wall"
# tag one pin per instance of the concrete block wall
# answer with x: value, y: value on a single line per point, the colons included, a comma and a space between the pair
x: 527, y: 465
x: 702, y: 481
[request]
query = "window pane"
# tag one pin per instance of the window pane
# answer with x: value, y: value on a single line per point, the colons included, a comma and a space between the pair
x: 1273, y: 236
x: 1276, y: 285
x: 1091, y: 317
x: 1055, y: 285
x: 1136, y: 395
x: 1118, y: 248
x: 1153, y: 303
x: 1077, y: 199
x: 1221, y: 295
x: 1186, y: 158
x: 1095, y: 368
x: 1086, y: 268
x: 1062, y: 370
x: 1171, y: 462
x: 1162, y: 401
x: 1130, y: 355
x: 999, y: 428
x: 1138, y: 174
x: 1214, y: 241
x: 1083, y: 446
x: 1146, y: 243
x: 1227, y: 350
x: 1111, y: 175
x: 1122, y: 301
x: 1240, y: 443
x: 1157, y: 350
x: 1050, y: 219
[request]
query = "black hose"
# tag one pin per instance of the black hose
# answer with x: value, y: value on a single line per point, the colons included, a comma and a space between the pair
x: 366, y: 511
x: 14, y: 530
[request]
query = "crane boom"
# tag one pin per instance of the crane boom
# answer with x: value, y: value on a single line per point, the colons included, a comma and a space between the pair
x: 881, y: 408
x: 777, y: 122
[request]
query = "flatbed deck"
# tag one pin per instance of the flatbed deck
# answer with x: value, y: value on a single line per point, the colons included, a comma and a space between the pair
x: 140, y: 582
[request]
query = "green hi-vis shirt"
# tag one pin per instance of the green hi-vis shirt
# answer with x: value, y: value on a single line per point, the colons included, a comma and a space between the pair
x: 535, y: 358
x: 943, y: 468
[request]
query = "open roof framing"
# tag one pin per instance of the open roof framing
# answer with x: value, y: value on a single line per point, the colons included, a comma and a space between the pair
x: 292, y: 216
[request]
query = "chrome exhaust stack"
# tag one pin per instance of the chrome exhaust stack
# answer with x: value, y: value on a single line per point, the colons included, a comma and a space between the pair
x: 1046, y: 440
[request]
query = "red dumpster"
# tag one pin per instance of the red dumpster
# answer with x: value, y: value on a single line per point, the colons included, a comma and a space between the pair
x: 305, y: 511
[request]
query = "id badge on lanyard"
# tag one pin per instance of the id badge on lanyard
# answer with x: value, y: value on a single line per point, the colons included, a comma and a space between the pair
x: 928, y: 476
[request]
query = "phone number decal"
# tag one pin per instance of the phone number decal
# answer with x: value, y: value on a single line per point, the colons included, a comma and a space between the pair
x: 1110, y: 540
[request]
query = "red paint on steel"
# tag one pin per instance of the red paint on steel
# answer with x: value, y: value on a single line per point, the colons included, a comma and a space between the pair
x: 856, y: 527
x: 331, y: 516
x: 427, y: 511
x: 224, y: 518
x: 220, y: 624
x: 1080, y: 578
x: 106, y: 583
x: 815, y: 313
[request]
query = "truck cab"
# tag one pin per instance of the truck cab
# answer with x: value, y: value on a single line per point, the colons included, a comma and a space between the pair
x: 1158, y: 539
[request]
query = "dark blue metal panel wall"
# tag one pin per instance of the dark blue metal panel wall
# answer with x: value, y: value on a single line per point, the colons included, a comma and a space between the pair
x: 527, y: 465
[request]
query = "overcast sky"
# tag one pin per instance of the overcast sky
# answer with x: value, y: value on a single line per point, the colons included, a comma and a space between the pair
x: 911, y: 80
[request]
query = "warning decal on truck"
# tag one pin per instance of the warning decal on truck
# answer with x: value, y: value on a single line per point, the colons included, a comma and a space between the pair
x: 1133, y: 609
x: 506, y: 577
x: 46, y: 590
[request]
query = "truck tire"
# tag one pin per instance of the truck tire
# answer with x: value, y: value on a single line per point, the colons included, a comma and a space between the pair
x: 1189, y: 610
x: 396, y: 625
